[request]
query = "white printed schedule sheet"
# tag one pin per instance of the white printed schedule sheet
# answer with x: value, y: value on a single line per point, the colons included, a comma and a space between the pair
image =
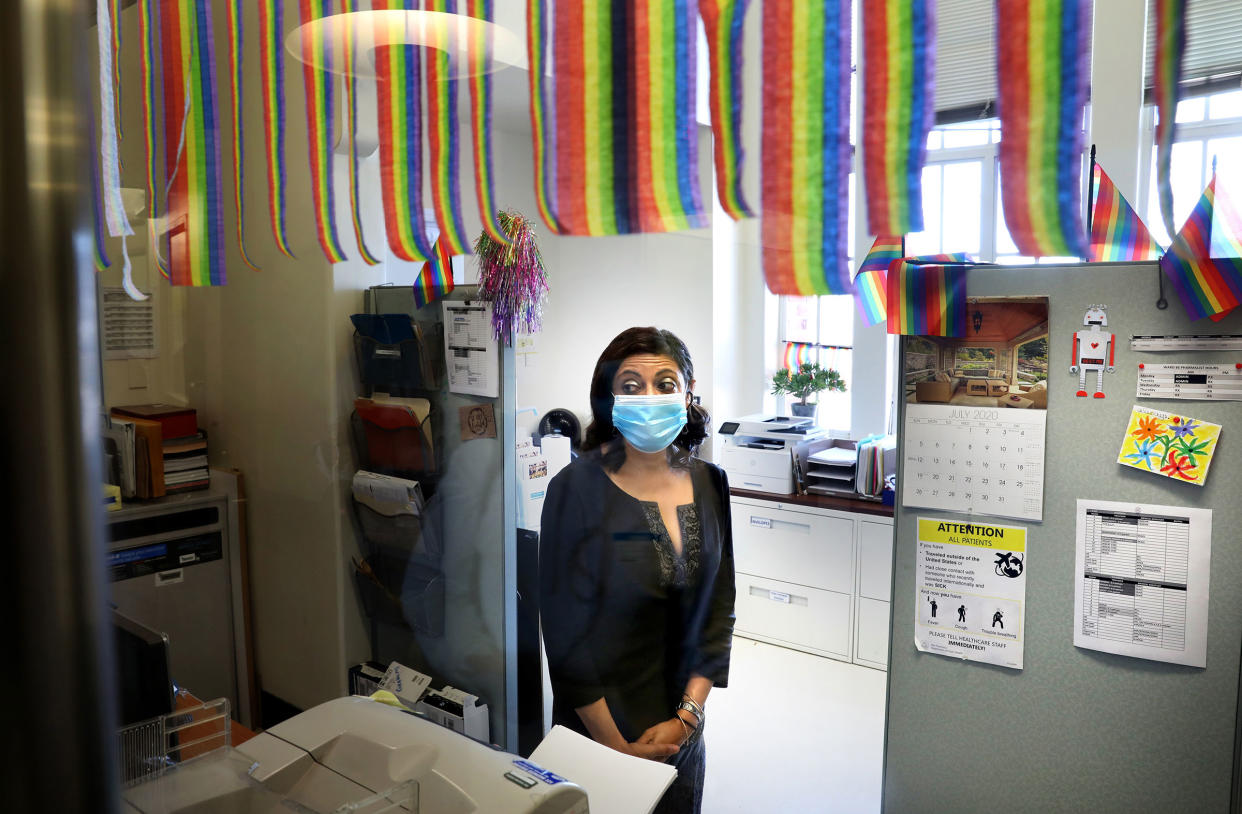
x: 1142, y: 576
x: 977, y: 460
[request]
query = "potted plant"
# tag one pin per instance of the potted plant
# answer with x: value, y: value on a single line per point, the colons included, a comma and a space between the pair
x: 809, y: 379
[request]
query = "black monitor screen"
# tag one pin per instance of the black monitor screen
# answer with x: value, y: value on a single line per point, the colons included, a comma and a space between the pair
x: 144, y: 686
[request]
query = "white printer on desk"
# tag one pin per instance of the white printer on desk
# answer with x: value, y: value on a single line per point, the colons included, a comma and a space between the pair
x: 757, y: 451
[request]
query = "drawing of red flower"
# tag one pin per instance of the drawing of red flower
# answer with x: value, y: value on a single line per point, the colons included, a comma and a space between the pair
x: 1179, y: 467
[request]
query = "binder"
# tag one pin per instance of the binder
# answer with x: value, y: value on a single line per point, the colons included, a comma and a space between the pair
x: 148, y: 457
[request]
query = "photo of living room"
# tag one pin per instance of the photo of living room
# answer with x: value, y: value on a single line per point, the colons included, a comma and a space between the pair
x: 1001, y: 362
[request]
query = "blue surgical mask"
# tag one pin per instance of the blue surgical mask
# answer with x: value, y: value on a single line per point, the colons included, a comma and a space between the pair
x: 650, y: 423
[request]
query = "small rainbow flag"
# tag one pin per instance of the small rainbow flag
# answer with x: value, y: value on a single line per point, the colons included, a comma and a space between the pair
x: 1117, y: 234
x: 435, y: 279
x: 797, y: 354
x: 899, y: 53
x: 806, y: 146
x: 1043, y: 68
x: 442, y: 131
x: 195, y: 194
x: 320, y: 84
x: 927, y: 299
x: 1205, y: 262
x: 399, y: 101
x: 1170, y: 47
x: 871, y: 295
x: 272, y: 74
x: 884, y: 251
x: 480, y: 55
x: 722, y: 22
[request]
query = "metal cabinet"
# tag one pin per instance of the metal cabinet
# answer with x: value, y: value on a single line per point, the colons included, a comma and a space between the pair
x: 813, y: 579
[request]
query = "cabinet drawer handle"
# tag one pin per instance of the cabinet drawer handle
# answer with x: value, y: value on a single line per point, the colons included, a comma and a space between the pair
x: 777, y: 596
x: 760, y: 522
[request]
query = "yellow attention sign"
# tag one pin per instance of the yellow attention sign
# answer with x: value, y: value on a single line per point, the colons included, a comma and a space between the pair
x: 976, y: 535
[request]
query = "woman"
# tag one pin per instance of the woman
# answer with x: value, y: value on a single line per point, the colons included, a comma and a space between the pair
x: 636, y: 566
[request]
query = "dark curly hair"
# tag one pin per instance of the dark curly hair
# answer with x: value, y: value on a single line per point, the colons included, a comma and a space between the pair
x: 631, y: 342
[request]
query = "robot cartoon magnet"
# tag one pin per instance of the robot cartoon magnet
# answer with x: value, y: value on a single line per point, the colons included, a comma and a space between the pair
x: 1094, y: 349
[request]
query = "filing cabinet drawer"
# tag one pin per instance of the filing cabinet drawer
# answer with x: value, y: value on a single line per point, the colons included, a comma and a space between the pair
x: 794, y: 615
x: 875, y: 560
x: 871, y: 639
x: 798, y: 547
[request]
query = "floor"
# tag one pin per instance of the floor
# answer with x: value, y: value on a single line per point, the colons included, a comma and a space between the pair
x: 794, y: 732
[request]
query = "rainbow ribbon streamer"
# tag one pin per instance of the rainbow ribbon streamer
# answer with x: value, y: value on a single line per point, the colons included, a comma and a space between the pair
x: 272, y: 73
x: 480, y: 56
x: 435, y: 279
x: 1117, y: 233
x: 722, y: 21
x: 443, y: 134
x: 806, y: 146
x: 1170, y: 47
x: 927, y: 299
x: 320, y: 87
x: 351, y: 113
x: 899, y: 48
x: 1205, y: 262
x: 397, y: 70
x: 236, y: 11
x: 626, y: 151
x: 797, y: 354
x: 114, y: 9
x: 100, y: 248
x: 195, y: 194
x: 1042, y: 74
x: 149, y: 57
x: 542, y: 112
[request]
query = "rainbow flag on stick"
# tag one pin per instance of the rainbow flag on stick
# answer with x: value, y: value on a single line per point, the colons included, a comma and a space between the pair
x: 899, y: 47
x: 871, y: 281
x: 435, y: 279
x: 722, y: 21
x: 1205, y: 262
x: 1042, y: 54
x: 806, y: 146
x: 1117, y: 233
x: 927, y: 299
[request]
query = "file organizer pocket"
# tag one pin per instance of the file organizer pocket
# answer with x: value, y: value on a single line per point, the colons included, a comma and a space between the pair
x: 400, y: 533
x: 402, y: 592
x: 391, y: 449
x: 408, y: 367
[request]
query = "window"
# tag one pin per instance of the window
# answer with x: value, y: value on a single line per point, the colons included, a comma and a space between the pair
x: 1033, y: 361
x: 820, y: 330
x: 974, y: 361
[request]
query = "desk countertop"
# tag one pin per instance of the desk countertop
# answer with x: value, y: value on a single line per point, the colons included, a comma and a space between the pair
x: 841, y: 504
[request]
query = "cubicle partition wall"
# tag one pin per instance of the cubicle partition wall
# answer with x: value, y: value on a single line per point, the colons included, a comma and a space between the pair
x: 1077, y: 729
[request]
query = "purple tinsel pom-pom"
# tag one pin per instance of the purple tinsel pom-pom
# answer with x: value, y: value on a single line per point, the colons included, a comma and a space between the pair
x: 512, y: 278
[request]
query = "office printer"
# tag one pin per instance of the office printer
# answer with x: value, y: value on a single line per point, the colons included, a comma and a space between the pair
x: 756, y: 451
x: 358, y: 755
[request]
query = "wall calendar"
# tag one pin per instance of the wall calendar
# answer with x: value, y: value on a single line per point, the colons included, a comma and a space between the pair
x: 975, y: 460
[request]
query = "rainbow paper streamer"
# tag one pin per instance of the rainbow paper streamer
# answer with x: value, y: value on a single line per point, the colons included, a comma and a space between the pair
x: 625, y: 133
x: 899, y: 49
x: 806, y: 146
x: 195, y: 194
x: 317, y: 65
x: 149, y: 57
x: 236, y: 11
x: 1117, y: 233
x: 99, y: 246
x: 1042, y: 75
x: 351, y: 113
x: 1170, y: 47
x: 1205, y: 262
x: 480, y: 56
x: 884, y: 250
x: 797, y: 354
x: 272, y: 74
x: 399, y: 99
x: 435, y: 279
x: 114, y: 9
x: 722, y: 21
x: 927, y: 299
x: 542, y: 112
x: 443, y: 134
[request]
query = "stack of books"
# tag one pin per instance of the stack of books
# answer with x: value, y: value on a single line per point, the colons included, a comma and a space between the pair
x: 170, y: 451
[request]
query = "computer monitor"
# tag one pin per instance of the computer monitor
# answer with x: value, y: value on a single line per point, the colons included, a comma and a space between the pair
x: 144, y: 681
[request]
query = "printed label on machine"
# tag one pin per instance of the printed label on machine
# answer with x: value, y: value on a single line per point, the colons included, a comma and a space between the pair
x: 971, y: 591
x: 543, y: 774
